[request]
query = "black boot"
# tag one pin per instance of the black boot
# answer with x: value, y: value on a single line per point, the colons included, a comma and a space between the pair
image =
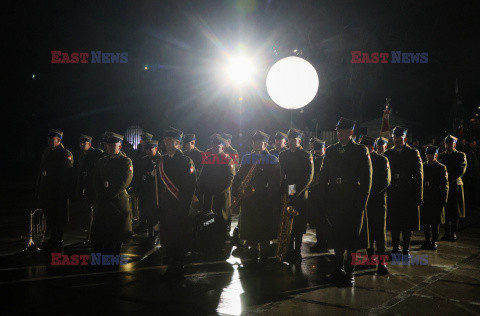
x: 350, y: 272
x: 339, y: 276
x: 447, y: 235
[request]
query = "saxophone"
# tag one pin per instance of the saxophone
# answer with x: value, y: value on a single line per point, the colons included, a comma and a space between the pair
x: 285, y: 230
x: 246, y: 188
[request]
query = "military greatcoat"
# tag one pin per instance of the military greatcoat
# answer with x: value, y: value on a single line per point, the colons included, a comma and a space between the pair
x: 456, y: 164
x: 112, y: 219
x: 345, y: 182
x: 405, y: 194
x: 435, y: 193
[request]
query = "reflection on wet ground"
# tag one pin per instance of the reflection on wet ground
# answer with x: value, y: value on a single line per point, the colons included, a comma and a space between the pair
x: 450, y: 283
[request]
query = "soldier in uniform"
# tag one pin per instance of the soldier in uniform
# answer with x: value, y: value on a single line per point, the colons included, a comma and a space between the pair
x: 259, y: 175
x: 229, y: 150
x: 177, y: 187
x: 54, y: 186
x: 316, y: 207
x: 144, y: 182
x: 345, y: 182
x: 296, y: 167
x: 377, y: 202
x: 112, y: 218
x: 381, y: 145
x: 87, y: 161
x: 456, y: 163
x: 280, y: 143
x: 214, y: 188
x: 435, y: 194
x: 190, y: 150
x: 405, y: 195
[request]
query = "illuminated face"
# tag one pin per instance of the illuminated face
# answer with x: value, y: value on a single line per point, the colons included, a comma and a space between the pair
x: 431, y: 158
x: 171, y: 143
x: 151, y: 151
x: 217, y: 149
x: 399, y: 141
x: 381, y: 148
x: 344, y: 135
x: 189, y: 146
x: 113, y: 148
x: 85, y: 146
x: 280, y: 143
x: 294, y: 143
x: 450, y: 146
x: 259, y: 145
x: 54, y: 141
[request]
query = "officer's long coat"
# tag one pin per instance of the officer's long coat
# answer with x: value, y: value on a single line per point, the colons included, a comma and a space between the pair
x: 174, y: 209
x: 405, y: 194
x: 345, y: 182
x: 456, y: 164
x: 112, y: 220
x: 435, y: 193
x: 377, y: 201
x: 260, y: 212
x: 54, y: 182
x: 214, y: 185
x: 296, y: 168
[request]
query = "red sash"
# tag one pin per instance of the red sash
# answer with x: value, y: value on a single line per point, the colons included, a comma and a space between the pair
x: 168, y: 183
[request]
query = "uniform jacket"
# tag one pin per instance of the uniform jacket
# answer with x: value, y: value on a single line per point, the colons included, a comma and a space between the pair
x: 196, y: 156
x: 112, y: 220
x: 214, y: 185
x: 345, y: 182
x: 260, y: 211
x: 296, y: 168
x: 54, y: 183
x: 87, y: 162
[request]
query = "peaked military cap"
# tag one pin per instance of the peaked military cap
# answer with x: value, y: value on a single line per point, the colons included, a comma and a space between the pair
x: 217, y: 139
x: 113, y: 138
x: 55, y: 133
x: 188, y: 138
x: 345, y: 123
x: 280, y: 135
x: 146, y: 136
x: 261, y: 136
x: 381, y: 141
x: 174, y: 133
x: 400, y: 131
x: 85, y: 138
x: 450, y: 139
x: 226, y: 136
x: 151, y: 143
x: 431, y: 150
x: 367, y: 140
x: 294, y: 133
x: 317, y: 143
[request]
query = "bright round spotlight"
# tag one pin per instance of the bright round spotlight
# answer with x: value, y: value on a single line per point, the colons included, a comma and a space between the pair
x: 292, y: 82
x: 240, y: 70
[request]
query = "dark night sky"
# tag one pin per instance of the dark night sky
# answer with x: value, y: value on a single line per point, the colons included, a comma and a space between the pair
x: 188, y: 37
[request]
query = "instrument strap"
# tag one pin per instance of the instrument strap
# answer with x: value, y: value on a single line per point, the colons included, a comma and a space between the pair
x: 168, y: 183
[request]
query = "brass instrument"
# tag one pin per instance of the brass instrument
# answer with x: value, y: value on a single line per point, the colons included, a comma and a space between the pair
x: 246, y: 188
x: 285, y: 230
x: 37, y: 229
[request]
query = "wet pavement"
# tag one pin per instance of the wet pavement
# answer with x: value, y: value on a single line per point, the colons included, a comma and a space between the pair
x: 448, y: 284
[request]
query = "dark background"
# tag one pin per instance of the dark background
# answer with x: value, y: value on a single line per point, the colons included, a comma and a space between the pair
x: 188, y: 40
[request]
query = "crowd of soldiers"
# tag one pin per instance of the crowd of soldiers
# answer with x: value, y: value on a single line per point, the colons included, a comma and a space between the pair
x: 351, y: 193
